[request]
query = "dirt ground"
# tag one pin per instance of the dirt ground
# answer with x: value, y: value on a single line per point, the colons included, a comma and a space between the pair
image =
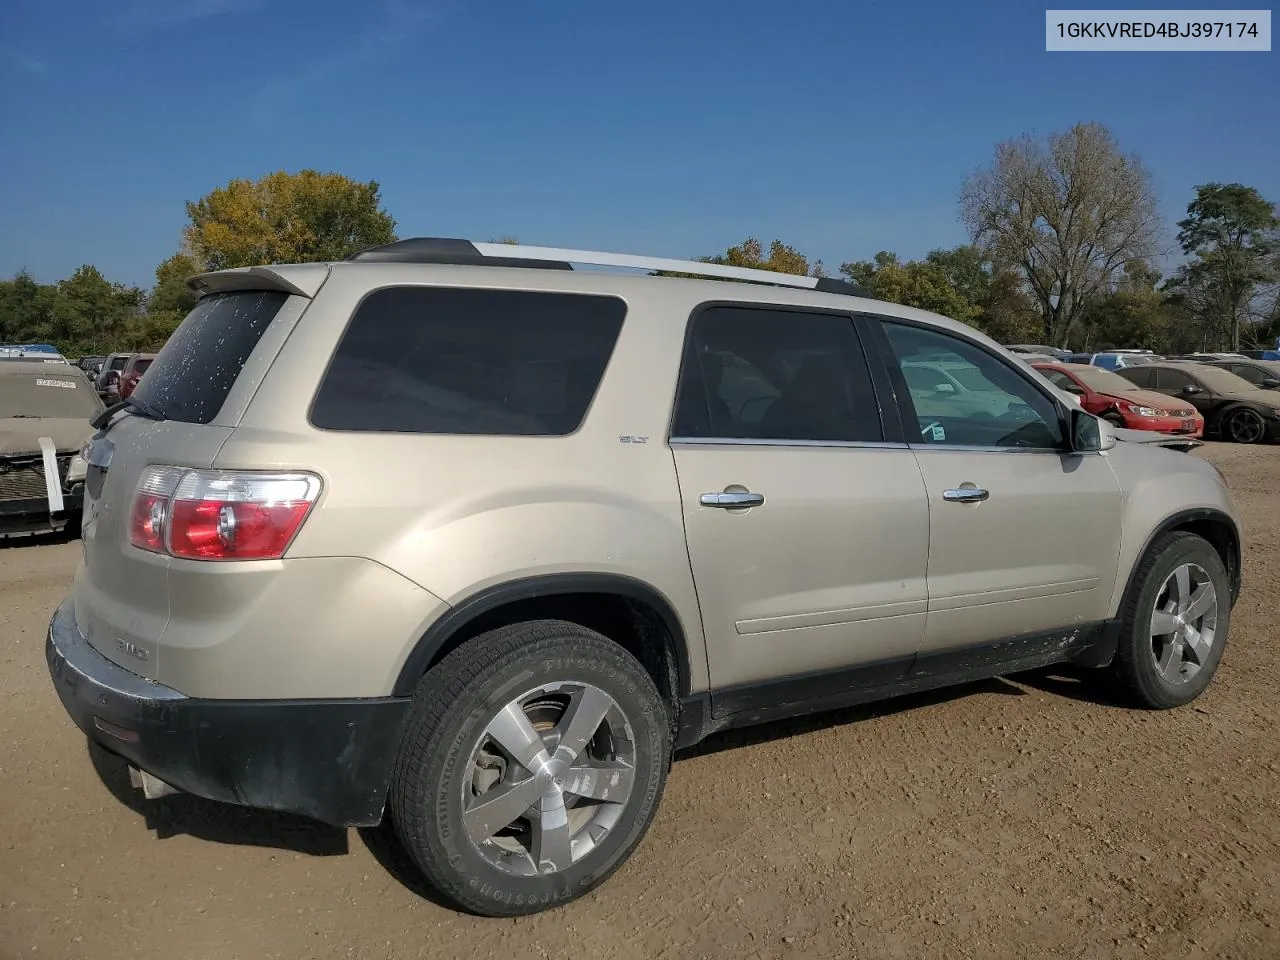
x: 1022, y: 818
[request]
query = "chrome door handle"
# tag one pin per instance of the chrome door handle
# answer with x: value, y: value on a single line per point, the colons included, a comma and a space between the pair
x: 732, y: 500
x: 966, y: 495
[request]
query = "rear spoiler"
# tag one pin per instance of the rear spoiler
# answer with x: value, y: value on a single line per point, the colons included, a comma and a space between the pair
x: 300, y: 279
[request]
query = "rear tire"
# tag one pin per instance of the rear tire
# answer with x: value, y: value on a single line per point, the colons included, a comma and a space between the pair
x: 489, y: 797
x: 1176, y: 617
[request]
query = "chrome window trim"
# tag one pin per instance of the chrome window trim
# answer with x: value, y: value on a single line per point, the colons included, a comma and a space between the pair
x: 769, y: 442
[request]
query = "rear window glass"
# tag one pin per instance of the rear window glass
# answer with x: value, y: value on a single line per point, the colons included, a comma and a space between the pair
x: 467, y: 361
x: 57, y: 394
x: 190, y: 378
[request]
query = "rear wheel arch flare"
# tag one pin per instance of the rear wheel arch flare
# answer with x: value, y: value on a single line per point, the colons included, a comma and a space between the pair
x: 630, y: 612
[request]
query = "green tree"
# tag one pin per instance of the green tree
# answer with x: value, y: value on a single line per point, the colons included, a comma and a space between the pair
x: 959, y: 283
x: 1068, y: 215
x: 171, y: 293
x: 1233, y: 234
x: 781, y: 258
x: 926, y: 284
x: 26, y: 309
x: 286, y: 218
x: 90, y: 313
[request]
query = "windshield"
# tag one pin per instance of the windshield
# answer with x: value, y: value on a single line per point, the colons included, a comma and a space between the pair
x: 1104, y: 381
x: 1223, y: 381
x: 59, y: 395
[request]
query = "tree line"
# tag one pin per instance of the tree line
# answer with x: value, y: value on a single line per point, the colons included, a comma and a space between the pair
x: 1064, y: 234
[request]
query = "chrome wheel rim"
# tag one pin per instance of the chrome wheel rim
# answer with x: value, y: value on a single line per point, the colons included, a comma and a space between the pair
x: 1246, y: 426
x: 1184, y: 623
x: 548, y: 779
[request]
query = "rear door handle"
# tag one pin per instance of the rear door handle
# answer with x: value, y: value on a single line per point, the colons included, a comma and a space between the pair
x: 732, y: 500
x: 966, y: 495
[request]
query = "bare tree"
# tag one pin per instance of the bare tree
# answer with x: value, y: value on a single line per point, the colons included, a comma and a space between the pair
x: 1068, y: 215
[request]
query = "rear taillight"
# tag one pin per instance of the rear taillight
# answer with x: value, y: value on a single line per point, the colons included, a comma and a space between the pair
x: 220, y: 514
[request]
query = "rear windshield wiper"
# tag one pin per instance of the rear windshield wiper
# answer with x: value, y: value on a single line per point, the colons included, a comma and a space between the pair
x: 132, y: 406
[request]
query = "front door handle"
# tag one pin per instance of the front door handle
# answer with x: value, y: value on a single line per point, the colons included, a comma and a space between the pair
x: 966, y: 495
x: 732, y: 499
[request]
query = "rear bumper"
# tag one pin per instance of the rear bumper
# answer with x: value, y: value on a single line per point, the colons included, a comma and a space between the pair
x: 326, y: 759
x: 32, y: 515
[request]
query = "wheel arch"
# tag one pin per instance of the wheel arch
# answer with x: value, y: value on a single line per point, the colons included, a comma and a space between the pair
x: 1215, y: 526
x: 1230, y: 408
x: 654, y: 631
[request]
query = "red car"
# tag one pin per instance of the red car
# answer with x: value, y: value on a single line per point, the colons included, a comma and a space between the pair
x: 1115, y: 399
x: 133, y: 371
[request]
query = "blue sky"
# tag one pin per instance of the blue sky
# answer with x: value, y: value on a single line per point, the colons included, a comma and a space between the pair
x: 667, y: 128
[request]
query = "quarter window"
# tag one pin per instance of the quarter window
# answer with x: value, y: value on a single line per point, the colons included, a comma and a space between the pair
x: 962, y: 395
x: 469, y: 361
x: 766, y: 374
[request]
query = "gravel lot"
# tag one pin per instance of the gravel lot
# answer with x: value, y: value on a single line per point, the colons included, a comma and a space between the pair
x: 1022, y: 818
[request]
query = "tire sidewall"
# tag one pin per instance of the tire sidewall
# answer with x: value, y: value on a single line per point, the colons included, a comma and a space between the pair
x: 560, y: 660
x: 1141, y: 666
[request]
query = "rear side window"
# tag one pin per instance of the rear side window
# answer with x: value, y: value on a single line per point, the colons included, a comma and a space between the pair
x: 189, y: 380
x: 770, y: 374
x: 468, y: 361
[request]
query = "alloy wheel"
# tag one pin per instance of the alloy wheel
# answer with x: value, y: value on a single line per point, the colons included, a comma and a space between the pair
x: 548, y: 778
x: 1245, y: 426
x: 1184, y: 623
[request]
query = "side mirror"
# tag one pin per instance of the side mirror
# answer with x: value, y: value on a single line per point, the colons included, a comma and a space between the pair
x: 1090, y: 434
x: 944, y: 387
x: 1270, y: 383
x: 1190, y: 390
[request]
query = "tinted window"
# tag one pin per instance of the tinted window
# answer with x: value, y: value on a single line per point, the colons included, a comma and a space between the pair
x: 775, y: 375
x: 1139, y: 376
x: 961, y: 394
x: 1254, y: 375
x: 495, y: 362
x: 190, y: 378
x: 1172, y: 379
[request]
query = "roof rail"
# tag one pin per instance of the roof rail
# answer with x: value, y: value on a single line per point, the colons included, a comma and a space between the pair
x: 465, y: 252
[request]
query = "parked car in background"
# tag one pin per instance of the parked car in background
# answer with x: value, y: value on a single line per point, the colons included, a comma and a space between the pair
x: 1053, y: 353
x: 44, y: 421
x: 133, y: 371
x: 1261, y: 354
x: 1261, y: 373
x: 1208, y: 357
x: 1119, y: 359
x: 1110, y: 396
x: 90, y: 365
x: 643, y: 509
x: 108, y: 381
x: 1232, y: 407
x: 35, y: 352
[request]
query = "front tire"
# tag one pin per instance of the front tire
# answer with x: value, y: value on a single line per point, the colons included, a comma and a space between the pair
x: 531, y: 765
x: 1176, y: 618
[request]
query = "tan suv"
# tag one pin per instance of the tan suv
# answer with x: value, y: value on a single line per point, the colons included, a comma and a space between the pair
x: 458, y: 533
